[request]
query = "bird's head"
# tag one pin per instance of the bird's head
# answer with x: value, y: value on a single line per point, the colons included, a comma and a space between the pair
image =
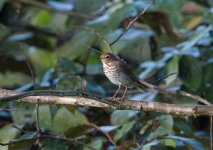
x: 107, y: 58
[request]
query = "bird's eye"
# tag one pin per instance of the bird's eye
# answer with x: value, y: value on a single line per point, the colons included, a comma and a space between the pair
x: 107, y: 56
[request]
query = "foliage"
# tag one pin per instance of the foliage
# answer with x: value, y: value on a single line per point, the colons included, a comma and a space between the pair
x: 172, y: 36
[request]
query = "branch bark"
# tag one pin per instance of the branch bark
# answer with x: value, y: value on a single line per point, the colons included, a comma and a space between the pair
x: 90, y: 100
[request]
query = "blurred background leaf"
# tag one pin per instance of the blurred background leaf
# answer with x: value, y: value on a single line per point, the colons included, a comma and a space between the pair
x: 57, y: 39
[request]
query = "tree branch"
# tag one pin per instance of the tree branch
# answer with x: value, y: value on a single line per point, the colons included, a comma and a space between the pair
x: 53, y: 137
x: 130, y: 25
x: 85, y: 99
x: 104, y: 133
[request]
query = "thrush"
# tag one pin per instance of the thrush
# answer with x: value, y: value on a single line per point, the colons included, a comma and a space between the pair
x: 118, y: 72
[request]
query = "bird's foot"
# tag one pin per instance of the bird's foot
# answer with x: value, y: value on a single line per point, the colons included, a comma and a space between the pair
x: 118, y: 99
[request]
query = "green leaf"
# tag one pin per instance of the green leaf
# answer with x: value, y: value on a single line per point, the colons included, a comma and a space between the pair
x: 172, y: 8
x: 69, y: 83
x: 63, y: 120
x: 88, y: 6
x: 166, y: 121
x: 59, y: 22
x: 10, y: 48
x: 96, y: 143
x: 183, y: 126
x: 170, y: 143
x: 66, y: 65
x: 79, y: 130
x: 146, y: 126
x: 172, y: 67
x: 43, y: 18
x: 56, y: 145
x: 7, y: 133
x: 24, y: 113
x: 165, y: 127
x: 42, y: 58
x: 75, y: 47
x: 53, y: 110
x: 149, y: 145
x: 207, y: 86
x: 11, y: 79
x: 93, y: 66
x: 138, y: 37
x: 119, y: 117
x: 119, y: 13
x: 23, y: 144
x: 193, y: 143
x: 26, y: 135
x: 70, y: 108
x: 2, y: 4
x: 124, y: 129
x: 190, y: 72
x: 4, y: 30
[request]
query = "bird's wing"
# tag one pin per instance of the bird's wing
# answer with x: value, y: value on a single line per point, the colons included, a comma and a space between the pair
x: 142, y: 84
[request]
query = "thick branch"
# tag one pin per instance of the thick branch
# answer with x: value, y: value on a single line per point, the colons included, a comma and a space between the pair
x: 85, y: 99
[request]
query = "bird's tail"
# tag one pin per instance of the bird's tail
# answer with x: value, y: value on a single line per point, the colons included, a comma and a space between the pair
x: 145, y: 86
x: 148, y: 86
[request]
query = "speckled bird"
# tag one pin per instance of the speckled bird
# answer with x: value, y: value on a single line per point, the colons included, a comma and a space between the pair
x: 118, y: 72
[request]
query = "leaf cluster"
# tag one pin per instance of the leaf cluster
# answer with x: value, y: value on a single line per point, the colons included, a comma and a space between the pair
x: 172, y: 36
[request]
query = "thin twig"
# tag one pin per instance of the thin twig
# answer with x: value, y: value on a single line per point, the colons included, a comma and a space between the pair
x: 37, y: 105
x: 163, y: 78
x: 178, y: 92
x: 54, y: 137
x: 37, y: 120
x: 51, y: 9
x: 32, y: 73
x: 14, y: 126
x: 104, y: 133
x: 195, y: 97
x: 130, y: 24
x: 99, y: 52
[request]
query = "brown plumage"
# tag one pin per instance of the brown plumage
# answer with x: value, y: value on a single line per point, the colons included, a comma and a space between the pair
x: 118, y: 72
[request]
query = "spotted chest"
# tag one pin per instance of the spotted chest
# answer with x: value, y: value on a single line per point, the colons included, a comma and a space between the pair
x: 115, y: 75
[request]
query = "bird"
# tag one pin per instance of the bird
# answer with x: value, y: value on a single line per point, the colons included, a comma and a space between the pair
x: 119, y: 73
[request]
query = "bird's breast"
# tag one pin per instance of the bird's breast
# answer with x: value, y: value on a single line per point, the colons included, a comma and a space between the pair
x: 115, y: 75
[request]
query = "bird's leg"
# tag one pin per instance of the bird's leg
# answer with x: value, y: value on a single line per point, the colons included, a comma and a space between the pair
x: 119, y: 87
x: 124, y: 93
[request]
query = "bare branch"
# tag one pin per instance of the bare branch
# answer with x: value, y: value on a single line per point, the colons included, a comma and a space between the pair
x: 104, y: 133
x: 195, y: 97
x: 130, y: 25
x: 85, y: 99
x: 178, y: 92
